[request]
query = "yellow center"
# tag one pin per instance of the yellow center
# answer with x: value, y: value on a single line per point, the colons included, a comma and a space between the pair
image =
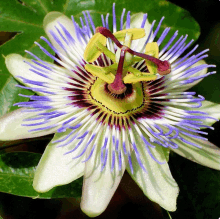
x: 129, y: 102
x: 120, y: 74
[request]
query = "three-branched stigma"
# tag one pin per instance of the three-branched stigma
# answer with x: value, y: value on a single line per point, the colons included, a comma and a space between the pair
x: 121, y: 71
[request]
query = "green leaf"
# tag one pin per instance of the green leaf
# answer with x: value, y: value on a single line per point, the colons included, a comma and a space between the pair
x: 26, y: 16
x: 16, y: 177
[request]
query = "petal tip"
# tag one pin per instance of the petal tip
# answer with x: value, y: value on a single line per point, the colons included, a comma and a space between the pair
x: 12, y: 55
x: 50, y: 17
x: 10, y: 60
x: 90, y: 210
x: 171, y: 203
x: 172, y: 208
x: 16, y: 66
x: 40, y: 187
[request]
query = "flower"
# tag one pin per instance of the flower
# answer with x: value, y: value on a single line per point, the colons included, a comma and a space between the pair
x: 115, y: 101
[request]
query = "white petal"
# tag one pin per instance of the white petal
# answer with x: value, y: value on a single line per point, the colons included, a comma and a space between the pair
x: 55, y: 168
x: 213, y: 110
x: 99, y: 187
x: 208, y: 155
x: 16, y: 65
x: 136, y: 20
x: 52, y: 21
x: 11, y: 126
x: 157, y: 183
x: 54, y: 77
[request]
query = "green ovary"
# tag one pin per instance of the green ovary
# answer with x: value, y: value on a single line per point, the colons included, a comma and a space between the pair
x: 112, y: 102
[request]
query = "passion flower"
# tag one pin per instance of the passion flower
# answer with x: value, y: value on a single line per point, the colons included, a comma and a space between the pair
x: 115, y: 99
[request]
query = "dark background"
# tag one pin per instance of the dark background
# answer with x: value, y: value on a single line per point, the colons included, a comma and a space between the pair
x: 195, y: 200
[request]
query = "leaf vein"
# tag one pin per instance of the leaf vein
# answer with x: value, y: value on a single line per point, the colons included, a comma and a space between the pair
x: 43, y: 6
x: 19, y: 21
x: 65, y: 6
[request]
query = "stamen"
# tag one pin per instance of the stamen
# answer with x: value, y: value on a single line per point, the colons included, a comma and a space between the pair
x: 92, y: 52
